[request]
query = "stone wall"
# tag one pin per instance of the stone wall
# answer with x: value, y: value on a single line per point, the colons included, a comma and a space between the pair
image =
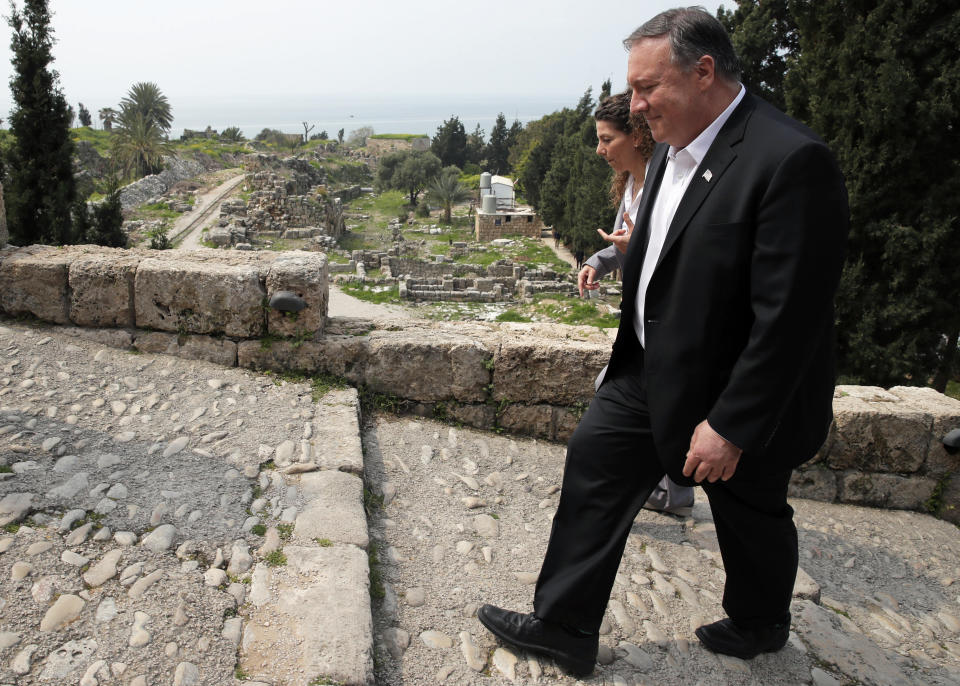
x: 884, y: 448
x: 382, y: 146
x: 175, y: 169
x: 203, y: 292
x: 488, y: 227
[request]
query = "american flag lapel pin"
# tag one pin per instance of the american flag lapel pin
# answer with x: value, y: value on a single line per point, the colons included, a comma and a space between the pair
x: 708, y: 175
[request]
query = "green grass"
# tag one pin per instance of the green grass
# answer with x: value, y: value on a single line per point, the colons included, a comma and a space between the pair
x: 285, y: 531
x: 381, y: 296
x: 321, y: 384
x: 6, y: 469
x: 101, y: 140
x: 512, y: 316
x: 258, y: 530
x: 275, y: 558
x: 158, y: 210
x: 324, y: 542
x: 398, y: 136
x: 953, y: 389
x: 575, y: 311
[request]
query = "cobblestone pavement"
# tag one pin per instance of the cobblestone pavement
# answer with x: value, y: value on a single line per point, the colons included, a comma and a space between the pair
x: 465, y: 520
x: 160, y: 513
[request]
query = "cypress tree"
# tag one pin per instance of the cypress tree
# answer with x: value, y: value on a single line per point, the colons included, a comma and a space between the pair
x: 878, y: 81
x: 40, y: 188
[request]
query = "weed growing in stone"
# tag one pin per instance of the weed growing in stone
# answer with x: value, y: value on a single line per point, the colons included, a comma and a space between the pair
x: 258, y: 529
x: 6, y: 469
x: 285, y: 531
x: 321, y: 384
x: 275, y: 558
x: 324, y: 542
x: 377, y: 591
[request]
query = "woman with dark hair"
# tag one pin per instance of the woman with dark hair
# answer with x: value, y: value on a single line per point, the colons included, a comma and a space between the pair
x: 624, y: 141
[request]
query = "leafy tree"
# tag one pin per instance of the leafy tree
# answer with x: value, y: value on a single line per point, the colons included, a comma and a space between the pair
x: 323, y: 135
x: 83, y: 114
x: 107, y: 225
x: 232, y: 134
x: 139, y: 146
x: 408, y: 171
x: 108, y: 116
x: 474, y: 149
x: 498, y: 150
x: 146, y: 99
x: 446, y: 190
x: 39, y: 190
x: 765, y: 37
x: 878, y: 81
x: 340, y: 136
x: 450, y: 142
x: 358, y: 137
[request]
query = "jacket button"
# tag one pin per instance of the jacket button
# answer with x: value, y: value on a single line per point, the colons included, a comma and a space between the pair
x: 653, y: 321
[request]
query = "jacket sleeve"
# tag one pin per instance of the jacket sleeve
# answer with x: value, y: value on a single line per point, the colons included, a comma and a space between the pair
x: 797, y: 257
x: 609, y: 258
x: 605, y: 261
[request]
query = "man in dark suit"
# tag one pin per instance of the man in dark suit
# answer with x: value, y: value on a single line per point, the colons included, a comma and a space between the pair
x: 722, y: 372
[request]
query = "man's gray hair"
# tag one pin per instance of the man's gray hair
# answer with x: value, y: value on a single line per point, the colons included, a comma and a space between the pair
x: 693, y: 33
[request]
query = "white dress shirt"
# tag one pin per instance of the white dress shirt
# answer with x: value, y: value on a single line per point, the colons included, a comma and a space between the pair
x: 681, y: 167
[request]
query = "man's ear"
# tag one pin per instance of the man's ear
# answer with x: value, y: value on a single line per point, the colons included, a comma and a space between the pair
x: 705, y: 69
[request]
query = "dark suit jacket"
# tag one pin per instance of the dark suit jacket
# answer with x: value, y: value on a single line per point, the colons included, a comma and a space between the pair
x: 739, y: 311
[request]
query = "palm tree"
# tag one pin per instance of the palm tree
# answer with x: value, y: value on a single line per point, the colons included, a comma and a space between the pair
x: 108, y: 116
x: 139, y: 146
x: 146, y: 98
x: 232, y: 134
x: 446, y: 190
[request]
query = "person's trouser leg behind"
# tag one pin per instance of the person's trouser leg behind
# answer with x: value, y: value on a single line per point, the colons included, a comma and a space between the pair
x: 758, y: 543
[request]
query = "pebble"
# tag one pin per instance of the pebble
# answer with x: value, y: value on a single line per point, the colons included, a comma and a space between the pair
x: 415, y: 596
x: 159, y: 539
x: 396, y: 641
x: 436, y: 639
x: 471, y: 652
x: 139, y: 636
x: 20, y: 570
x: 21, y: 662
x: 79, y: 535
x: 506, y: 663
x: 66, y: 609
x: 636, y: 657
x: 141, y: 585
x: 72, y: 558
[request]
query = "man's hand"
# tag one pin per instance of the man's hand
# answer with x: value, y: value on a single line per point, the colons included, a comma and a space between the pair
x: 711, y: 456
x: 620, y: 237
x: 585, y: 279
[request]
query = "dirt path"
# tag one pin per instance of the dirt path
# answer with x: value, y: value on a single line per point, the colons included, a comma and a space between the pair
x: 343, y: 305
x: 561, y: 251
x: 206, y: 211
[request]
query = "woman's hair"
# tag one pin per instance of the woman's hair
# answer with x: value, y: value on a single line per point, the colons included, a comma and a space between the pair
x: 616, y: 110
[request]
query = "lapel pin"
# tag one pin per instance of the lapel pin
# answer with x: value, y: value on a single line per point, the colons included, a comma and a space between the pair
x: 708, y: 175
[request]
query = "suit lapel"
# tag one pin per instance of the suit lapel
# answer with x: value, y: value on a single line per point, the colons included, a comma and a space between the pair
x: 633, y: 260
x: 717, y: 160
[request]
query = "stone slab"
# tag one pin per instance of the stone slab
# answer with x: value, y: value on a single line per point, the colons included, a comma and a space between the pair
x: 101, y: 289
x: 194, y: 297
x: 305, y: 274
x: 319, y: 622
x: 34, y: 281
x: 217, y: 350
x: 829, y: 638
x: 336, y: 432
x: 333, y: 508
x: 547, y: 371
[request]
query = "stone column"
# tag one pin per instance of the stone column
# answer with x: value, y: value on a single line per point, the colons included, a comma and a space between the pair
x: 3, y: 221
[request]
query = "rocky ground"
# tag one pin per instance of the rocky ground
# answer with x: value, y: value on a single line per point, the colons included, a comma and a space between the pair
x: 134, y: 508
x: 465, y: 520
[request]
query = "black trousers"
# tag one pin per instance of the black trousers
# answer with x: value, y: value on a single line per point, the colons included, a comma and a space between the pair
x: 611, y: 468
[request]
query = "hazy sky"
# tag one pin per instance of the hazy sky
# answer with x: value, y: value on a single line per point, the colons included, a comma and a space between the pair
x: 225, y: 49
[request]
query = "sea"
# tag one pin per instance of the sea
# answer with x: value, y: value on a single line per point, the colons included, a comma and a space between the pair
x: 408, y: 114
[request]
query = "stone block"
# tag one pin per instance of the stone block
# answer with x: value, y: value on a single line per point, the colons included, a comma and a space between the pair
x: 320, y: 623
x: 220, y: 351
x: 101, y: 289
x: 336, y: 432
x: 547, y: 371
x: 886, y: 490
x: 200, y: 297
x: 945, y: 412
x: 565, y: 421
x: 338, y: 355
x: 34, y: 281
x: 883, y: 436
x: 534, y: 420
x: 306, y: 275
x: 480, y: 416
x: 427, y: 368
x: 950, y: 499
x: 112, y: 338
x: 814, y: 483
x: 333, y: 509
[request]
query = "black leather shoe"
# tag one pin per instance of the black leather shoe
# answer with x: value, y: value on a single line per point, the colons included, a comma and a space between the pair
x: 729, y: 639
x: 577, y: 654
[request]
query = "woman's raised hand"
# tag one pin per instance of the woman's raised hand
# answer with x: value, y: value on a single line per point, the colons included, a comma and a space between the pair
x: 620, y: 237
